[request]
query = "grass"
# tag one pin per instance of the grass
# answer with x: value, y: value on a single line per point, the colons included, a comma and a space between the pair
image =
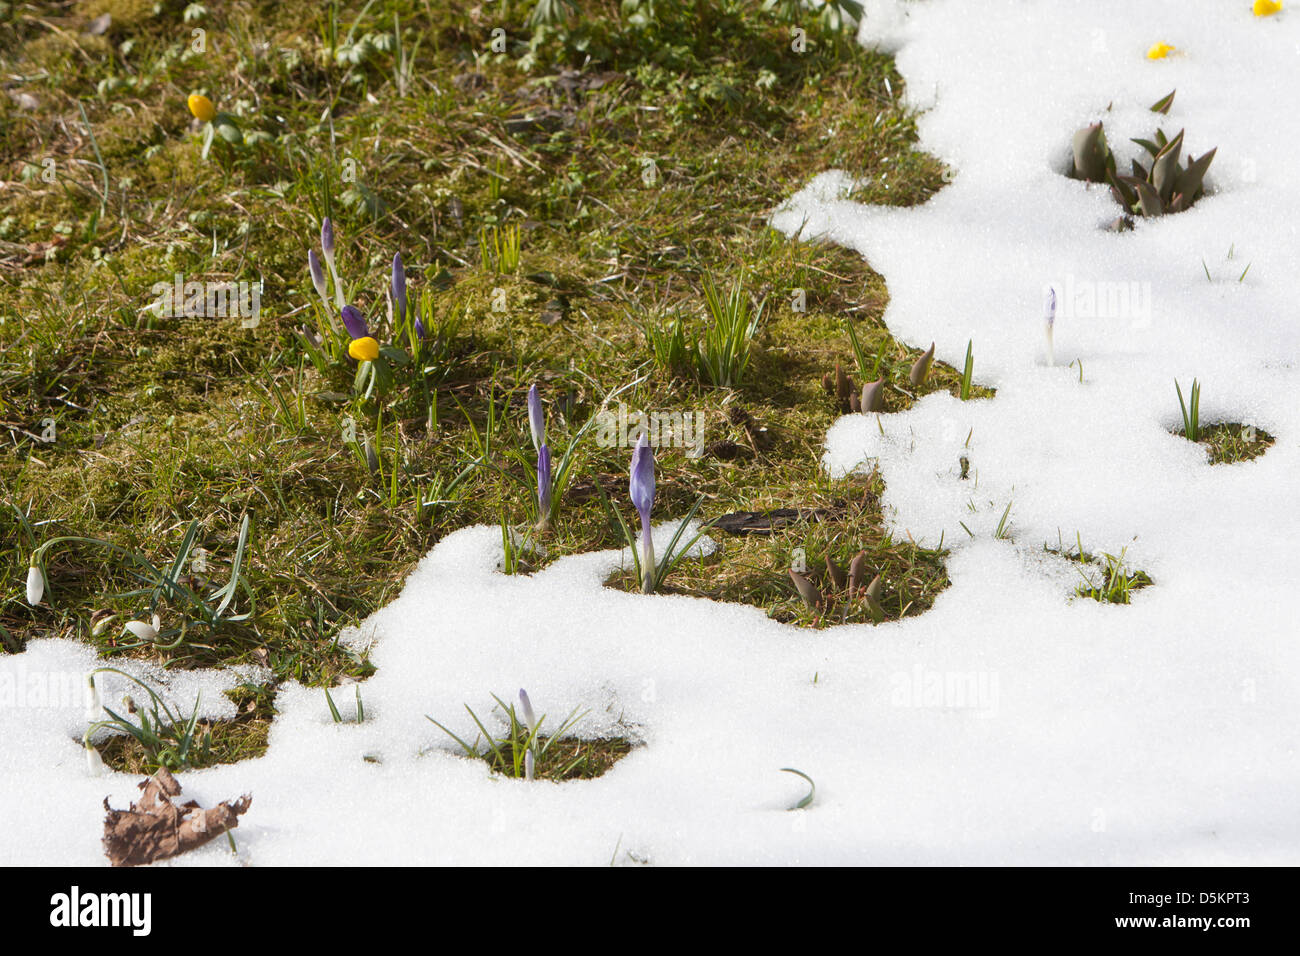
x: 1106, y: 578
x: 427, y: 146
x: 557, y: 756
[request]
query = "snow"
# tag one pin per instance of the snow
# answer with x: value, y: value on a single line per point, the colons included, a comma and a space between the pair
x: 1010, y: 723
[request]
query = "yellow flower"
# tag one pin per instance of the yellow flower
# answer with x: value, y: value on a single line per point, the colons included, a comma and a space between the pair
x: 364, y: 349
x: 1266, y: 8
x: 1159, y: 51
x: 202, y: 107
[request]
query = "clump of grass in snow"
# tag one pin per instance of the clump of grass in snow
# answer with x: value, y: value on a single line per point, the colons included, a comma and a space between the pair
x: 521, y: 750
x: 1107, y: 578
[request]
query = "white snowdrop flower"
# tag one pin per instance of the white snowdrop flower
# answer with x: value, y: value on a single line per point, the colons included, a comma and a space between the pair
x: 94, y: 704
x: 35, y: 585
x: 94, y: 764
x: 145, y: 632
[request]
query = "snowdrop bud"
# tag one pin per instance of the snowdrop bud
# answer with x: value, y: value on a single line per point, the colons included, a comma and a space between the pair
x: 94, y: 705
x: 94, y: 765
x: 35, y: 585
x: 145, y: 632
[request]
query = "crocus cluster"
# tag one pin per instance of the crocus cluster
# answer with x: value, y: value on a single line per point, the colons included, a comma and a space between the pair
x: 537, y: 426
x: 363, y: 346
x: 641, y: 489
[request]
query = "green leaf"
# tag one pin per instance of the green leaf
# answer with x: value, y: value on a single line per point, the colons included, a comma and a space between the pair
x: 812, y: 788
x: 1090, y: 153
x: 1191, y: 179
x: 1162, y: 105
x: 1165, y: 168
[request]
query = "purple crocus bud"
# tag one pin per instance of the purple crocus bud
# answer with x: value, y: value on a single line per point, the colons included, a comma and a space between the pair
x: 317, y: 275
x: 641, y: 489
x: 355, y: 322
x: 327, y: 239
x: 1050, y: 318
x: 399, y: 286
x: 419, y: 330
x: 529, y: 718
x: 536, y: 418
x: 544, y: 485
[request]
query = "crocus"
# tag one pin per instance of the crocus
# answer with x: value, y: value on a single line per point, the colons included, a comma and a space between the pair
x: 363, y: 347
x: 399, y: 286
x: 536, y: 418
x: 1159, y: 51
x: 530, y: 719
x: 201, y: 107
x: 1049, y: 317
x: 641, y: 489
x: 544, y: 486
x: 35, y: 585
x: 145, y: 632
x: 318, y: 276
x: 327, y: 250
x: 1266, y: 8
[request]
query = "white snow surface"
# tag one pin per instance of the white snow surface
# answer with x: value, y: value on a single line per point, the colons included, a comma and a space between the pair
x: 1010, y: 723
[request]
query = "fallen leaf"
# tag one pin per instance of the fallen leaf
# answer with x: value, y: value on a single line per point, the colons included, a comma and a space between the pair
x: 158, y: 829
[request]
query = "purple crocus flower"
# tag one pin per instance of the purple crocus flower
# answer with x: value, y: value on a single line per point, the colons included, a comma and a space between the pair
x: 544, y: 485
x: 530, y: 720
x: 419, y: 330
x: 641, y: 489
x: 317, y: 276
x: 536, y: 418
x: 327, y: 239
x: 399, y: 286
x: 327, y: 251
x: 1050, y: 319
x: 355, y: 322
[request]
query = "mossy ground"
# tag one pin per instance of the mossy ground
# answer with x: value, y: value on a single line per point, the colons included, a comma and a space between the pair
x: 1229, y: 442
x: 161, y: 420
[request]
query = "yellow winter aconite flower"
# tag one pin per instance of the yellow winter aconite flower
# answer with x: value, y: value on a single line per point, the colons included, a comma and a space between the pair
x: 202, y: 107
x: 1159, y: 51
x: 364, y: 349
x: 1266, y: 8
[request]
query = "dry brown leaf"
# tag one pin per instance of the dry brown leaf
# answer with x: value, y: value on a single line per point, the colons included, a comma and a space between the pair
x: 158, y: 829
